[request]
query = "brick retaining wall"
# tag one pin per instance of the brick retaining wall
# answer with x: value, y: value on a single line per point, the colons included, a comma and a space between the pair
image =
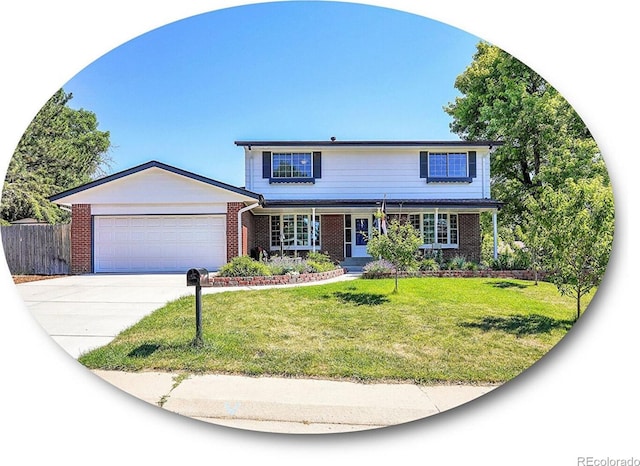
x: 275, y: 279
x: 515, y: 274
x: 314, y: 277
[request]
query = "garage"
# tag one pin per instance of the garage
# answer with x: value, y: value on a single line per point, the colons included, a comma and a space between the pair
x: 155, y: 218
x: 159, y: 243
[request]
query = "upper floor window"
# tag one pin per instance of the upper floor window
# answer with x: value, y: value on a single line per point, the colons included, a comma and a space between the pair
x: 447, y: 165
x: 292, y: 165
x: 439, y: 167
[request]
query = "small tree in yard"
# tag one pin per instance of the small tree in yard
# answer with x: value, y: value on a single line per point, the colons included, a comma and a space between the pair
x: 399, y: 246
x: 578, y: 223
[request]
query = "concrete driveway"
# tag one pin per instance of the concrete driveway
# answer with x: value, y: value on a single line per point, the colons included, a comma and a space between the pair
x: 87, y: 311
x: 83, y: 312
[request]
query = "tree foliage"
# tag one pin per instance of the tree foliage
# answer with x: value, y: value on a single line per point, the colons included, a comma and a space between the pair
x: 544, y: 140
x: 399, y: 246
x: 574, y: 234
x: 61, y: 148
x: 549, y: 171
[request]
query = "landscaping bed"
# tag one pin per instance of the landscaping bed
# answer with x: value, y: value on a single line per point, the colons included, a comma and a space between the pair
x: 286, y: 279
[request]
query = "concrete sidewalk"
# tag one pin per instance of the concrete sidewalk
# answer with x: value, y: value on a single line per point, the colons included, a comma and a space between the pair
x: 289, y: 405
x: 84, y: 312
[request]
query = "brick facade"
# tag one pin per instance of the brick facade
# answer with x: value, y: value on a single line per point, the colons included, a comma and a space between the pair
x: 469, y: 237
x: 261, y: 231
x: 332, y: 236
x: 81, y: 235
x: 232, y: 229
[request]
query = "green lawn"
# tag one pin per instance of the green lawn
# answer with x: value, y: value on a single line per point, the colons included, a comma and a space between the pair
x: 471, y: 330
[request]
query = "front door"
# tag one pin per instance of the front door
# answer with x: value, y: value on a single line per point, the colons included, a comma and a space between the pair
x: 361, y: 234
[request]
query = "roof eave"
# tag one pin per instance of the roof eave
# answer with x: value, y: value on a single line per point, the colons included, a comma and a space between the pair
x: 249, y: 144
x: 152, y: 164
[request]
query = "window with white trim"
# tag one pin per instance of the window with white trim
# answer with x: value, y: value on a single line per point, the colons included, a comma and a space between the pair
x: 295, y: 231
x: 448, y: 165
x: 444, y: 233
x: 292, y: 165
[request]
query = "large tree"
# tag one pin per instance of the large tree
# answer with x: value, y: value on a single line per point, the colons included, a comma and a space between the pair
x: 544, y: 140
x: 549, y: 171
x: 61, y: 148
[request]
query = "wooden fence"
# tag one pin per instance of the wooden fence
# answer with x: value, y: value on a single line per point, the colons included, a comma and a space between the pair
x: 37, y: 249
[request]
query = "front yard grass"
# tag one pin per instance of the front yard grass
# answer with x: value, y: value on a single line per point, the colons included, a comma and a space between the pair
x: 436, y: 330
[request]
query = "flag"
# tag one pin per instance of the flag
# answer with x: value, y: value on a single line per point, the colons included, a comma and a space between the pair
x: 382, y: 220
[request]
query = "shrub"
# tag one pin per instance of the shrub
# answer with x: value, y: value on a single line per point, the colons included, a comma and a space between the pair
x: 428, y: 264
x: 456, y: 263
x: 436, y: 255
x: 319, y: 257
x: 316, y: 267
x: 378, y: 268
x: 244, y: 266
x: 511, y: 260
x: 285, y: 265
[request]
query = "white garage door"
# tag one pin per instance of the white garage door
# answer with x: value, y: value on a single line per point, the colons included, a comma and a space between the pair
x: 159, y: 243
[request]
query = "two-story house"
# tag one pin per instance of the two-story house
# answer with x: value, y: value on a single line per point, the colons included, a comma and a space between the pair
x: 324, y: 195
x: 299, y: 196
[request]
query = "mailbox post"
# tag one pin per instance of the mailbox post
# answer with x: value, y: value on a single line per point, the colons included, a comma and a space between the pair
x: 198, y: 278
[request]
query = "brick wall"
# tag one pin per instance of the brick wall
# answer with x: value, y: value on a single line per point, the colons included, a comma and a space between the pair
x: 469, y: 237
x: 80, y: 239
x: 275, y: 279
x: 332, y: 236
x: 248, y: 226
x: 261, y: 231
x: 232, y: 228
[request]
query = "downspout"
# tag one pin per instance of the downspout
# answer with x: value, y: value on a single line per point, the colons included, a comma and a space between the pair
x: 240, y: 212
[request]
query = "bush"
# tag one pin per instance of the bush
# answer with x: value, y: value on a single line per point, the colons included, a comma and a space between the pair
x: 285, y: 265
x: 461, y: 263
x: 316, y: 267
x: 319, y: 262
x: 428, y: 264
x: 244, y: 266
x: 456, y: 263
x: 517, y: 260
x: 319, y: 257
x: 378, y: 268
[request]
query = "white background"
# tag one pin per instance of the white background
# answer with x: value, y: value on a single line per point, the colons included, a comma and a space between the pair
x: 580, y: 400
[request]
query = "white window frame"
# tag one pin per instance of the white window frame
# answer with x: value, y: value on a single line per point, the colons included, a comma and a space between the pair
x: 293, y: 242
x: 450, y: 231
x: 292, y: 155
x: 448, y: 165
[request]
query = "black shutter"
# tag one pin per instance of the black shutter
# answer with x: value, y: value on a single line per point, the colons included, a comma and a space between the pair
x: 472, y: 164
x: 423, y: 165
x: 266, y: 165
x: 317, y: 164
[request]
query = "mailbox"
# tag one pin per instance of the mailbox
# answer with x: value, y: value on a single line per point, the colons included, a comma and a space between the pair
x: 198, y: 277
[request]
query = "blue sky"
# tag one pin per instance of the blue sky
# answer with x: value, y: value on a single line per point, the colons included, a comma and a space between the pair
x: 183, y: 93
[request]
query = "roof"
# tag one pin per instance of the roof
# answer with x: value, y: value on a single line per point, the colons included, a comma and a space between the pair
x: 370, y: 143
x: 389, y: 203
x: 154, y: 164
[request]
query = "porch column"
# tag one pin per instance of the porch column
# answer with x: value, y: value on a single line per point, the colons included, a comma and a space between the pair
x: 313, y: 229
x: 495, y: 234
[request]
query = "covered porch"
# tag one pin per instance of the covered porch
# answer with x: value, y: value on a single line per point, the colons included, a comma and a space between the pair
x: 342, y: 228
